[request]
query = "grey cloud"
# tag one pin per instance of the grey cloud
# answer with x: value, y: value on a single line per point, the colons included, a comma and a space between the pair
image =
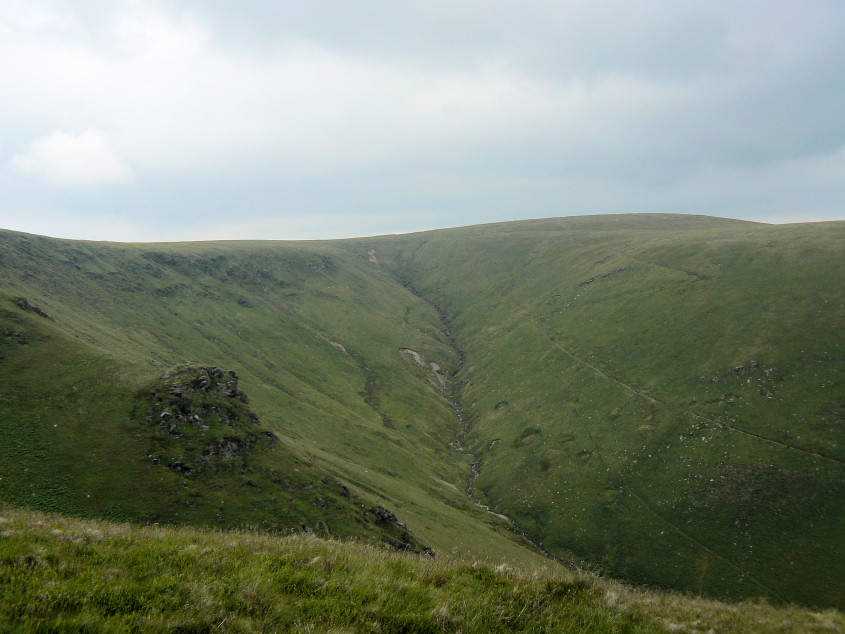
x: 429, y: 113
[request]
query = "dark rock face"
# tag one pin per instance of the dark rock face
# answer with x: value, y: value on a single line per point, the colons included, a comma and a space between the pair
x: 229, y: 448
x: 200, y: 417
x: 385, y: 516
x: 401, y: 538
x: 598, y: 277
x: 16, y: 336
x: 184, y: 401
x: 23, y: 304
x: 213, y: 378
x: 180, y: 467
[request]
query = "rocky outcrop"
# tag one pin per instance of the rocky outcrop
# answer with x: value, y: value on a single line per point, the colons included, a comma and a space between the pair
x: 200, y: 420
x: 401, y: 537
x: 746, y: 368
x: 24, y: 304
x: 200, y: 427
x: 598, y: 277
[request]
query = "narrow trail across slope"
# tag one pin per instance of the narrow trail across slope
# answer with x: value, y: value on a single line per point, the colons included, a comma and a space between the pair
x: 672, y: 406
x: 644, y: 502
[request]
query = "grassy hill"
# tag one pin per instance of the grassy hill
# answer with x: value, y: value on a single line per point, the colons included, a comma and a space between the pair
x: 59, y: 574
x: 316, y: 336
x: 657, y: 396
x: 185, y: 448
x: 662, y: 395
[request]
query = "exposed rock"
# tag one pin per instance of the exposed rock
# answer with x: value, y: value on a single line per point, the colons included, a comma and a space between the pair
x: 231, y: 448
x: 203, y: 411
x: 14, y: 335
x: 438, y: 374
x: 338, y: 345
x: 325, y: 265
x: 598, y: 277
x: 744, y: 369
x: 168, y: 423
x: 180, y: 467
x: 413, y: 354
x: 23, y: 304
x: 385, y: 516
x: 400, y: 537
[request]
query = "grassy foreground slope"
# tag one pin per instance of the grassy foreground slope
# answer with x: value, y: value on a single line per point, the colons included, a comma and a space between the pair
x: 59, y: 574
x: 317, y: 337
x: 662, y: 395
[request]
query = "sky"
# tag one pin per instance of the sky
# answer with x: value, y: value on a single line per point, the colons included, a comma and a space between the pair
x: 162, y: 120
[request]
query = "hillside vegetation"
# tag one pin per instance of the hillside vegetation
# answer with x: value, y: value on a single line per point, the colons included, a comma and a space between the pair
x: 662, y: 395
x: 58, y: 574
x: 317, y: 337
x: 659, y: 398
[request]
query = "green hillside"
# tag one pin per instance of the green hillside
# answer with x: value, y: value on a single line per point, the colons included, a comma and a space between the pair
x: 61, y: 574
x: 77, y: 440
x: 662, y: 395
x: 318, y: 339
x: 658, y: 397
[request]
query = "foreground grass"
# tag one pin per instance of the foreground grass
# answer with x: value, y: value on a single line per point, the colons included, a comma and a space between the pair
x: 61, y: 574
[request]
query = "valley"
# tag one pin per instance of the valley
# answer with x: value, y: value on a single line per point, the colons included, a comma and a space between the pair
x: 653, y: 398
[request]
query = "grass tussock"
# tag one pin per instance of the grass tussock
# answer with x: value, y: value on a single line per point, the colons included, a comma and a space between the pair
x: 61, y: 574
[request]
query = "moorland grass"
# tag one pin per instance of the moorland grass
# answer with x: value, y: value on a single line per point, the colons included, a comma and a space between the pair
x: 61, y: 574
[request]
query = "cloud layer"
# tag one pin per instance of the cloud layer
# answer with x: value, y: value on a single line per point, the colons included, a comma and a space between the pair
x: 188, y: 114
x: 74, y: 160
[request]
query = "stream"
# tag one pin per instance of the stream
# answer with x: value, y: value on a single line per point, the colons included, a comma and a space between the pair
x: 457, y: 445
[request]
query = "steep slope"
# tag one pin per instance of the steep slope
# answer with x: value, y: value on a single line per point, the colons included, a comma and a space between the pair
x: 319, y: 340
x: 185, y: 449
x: 660, y: 394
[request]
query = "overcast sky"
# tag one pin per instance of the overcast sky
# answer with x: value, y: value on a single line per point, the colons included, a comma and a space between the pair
x: 202, y: 119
